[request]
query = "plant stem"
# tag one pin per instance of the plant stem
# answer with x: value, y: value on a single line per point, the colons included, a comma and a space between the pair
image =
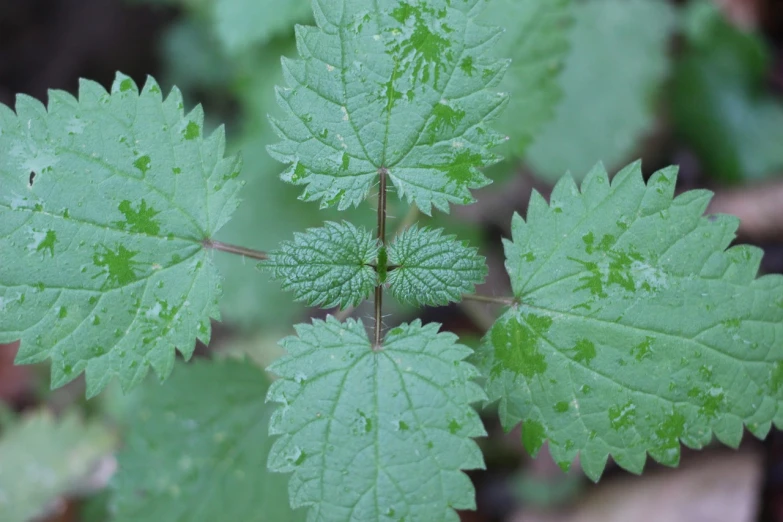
x: 382, y: 172
x: 507, y: 301
x: 232, y: 249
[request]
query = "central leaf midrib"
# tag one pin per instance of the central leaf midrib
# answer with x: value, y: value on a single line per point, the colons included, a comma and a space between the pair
x: 106, y: 227
x: 645, y: 330
x: 144, y: 279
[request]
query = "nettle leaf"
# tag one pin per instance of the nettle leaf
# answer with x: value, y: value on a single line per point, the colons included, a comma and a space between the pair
x: 393, y: 88
x: 429, y: 268
x: 537, y: 42
x: 197, y: 451
x: 241, y: 24
x: 609, y: 84
x: 43, y: 458
x: 376, y: 434
x: 637, y: 328
x: 327, y: 266
x: 104, y: 207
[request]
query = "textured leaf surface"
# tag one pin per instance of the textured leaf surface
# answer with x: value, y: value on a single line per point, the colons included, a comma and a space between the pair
x: 196, y: 450
x: 433, y: 269
x: 637, y: 328
x: 536, y: 39
x: 327, y: 266
x: 396, y: 87
x: 243, y: 23
x: 42, y: 458
x: 609, y: 82
x: 104, y: 204
x: 376, y: 435
x: 720, y: 104
x: 251, y: 298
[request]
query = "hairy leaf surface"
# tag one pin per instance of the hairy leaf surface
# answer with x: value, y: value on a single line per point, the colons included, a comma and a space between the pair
x: 637, y: 329
x: 536, y: 40
x: 327, y: 266
x: 104, y: 206
x: 42, y: 458
x: 241, y: 24
x: 196, y: 451
x: 616, y: 65
x: 396, y: 87
x: 376, y: 434
x: 432, y: 269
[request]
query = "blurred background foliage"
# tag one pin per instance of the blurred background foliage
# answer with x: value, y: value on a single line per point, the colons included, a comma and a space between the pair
x: 697, y: 83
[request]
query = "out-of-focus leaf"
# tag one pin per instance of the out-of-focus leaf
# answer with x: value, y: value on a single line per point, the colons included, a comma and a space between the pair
x: 196, y: 451
x: 720, y: 106
x: 242, y: 23
x: 42, y: 458
x: 618, y: 61
x: 536, y: 40
x: 192, y: 59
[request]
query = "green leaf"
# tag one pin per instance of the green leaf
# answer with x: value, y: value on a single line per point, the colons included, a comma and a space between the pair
x: 536, y: 40
x: 328, y: 266
x: 400, y: 89
x: 241, y: 24
x: 720, y: 104
x: 429, y: 268
x: 105, y: 204
x: 42, y: 458
x: 609, y: 83
x: 197, y: 450
x: 376, y: 434
x: 638, y: 330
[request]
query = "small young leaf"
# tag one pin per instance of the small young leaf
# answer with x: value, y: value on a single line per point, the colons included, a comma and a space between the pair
x: 432, y: 269
x: 608, y: 82
x: 400, y: 88
x: 42, y: 459
x: 241, y: 24
x: 536, y: 40
x: 637, y: 328
x: 327, y: 266
x: 104, y: 206
x: 371, y: 434
x: 197, y: 450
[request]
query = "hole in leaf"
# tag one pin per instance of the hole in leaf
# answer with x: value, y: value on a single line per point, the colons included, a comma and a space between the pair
x: 32, y: 178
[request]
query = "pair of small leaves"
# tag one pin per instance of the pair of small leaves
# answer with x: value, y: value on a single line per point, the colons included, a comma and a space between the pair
x: 104, y: 206
x: 637, y: 329
x: 340, y: 264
